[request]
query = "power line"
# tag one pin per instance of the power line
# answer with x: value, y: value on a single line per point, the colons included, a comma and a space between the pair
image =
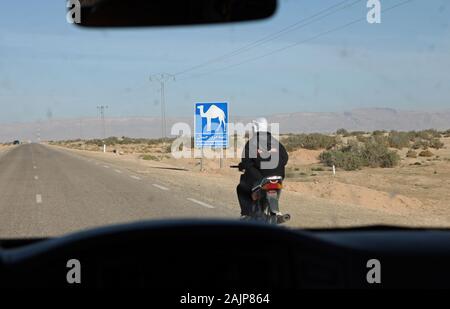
x: 296, y: 43
x: 295, y: 26
x: 101, y: 111
x: 162, y: 79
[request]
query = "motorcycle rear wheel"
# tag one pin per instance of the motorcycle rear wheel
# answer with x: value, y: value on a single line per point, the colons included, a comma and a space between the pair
x: 271, y: 219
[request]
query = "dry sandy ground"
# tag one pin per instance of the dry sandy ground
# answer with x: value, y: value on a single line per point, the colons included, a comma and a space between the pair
x: 4, y: 148
x: 408, y: 190
x: 408, y: 195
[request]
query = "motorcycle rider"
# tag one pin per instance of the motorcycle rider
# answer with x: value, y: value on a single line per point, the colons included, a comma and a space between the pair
x: 257, y: 153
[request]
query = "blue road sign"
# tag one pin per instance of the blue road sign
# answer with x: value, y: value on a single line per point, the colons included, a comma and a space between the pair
x: 211, y: 125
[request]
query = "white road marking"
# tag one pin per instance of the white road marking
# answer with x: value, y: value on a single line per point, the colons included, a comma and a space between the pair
x: 36, y: 177
x: 160, y: 187
x: 135, y: 177
x: 105, y: 166
x: 200, y: 203
x: 118, y: 171
x: 38, y: 198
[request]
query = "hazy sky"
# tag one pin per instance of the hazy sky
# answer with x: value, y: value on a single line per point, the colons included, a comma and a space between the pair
x: 51, y: 68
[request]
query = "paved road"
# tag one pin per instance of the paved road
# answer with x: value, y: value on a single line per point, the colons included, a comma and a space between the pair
x: 46, y: 191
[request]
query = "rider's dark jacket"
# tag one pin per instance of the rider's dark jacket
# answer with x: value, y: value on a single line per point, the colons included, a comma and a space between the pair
x: 255, y: 162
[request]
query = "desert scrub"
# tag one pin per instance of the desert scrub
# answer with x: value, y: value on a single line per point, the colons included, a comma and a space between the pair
x: 96, y: 142
x: 342, y: 131
x: 317, y: 169
x: 411, y: 154
x: 377, y: 154
x: 436, y: 143
x: 312, y: 141
x: 420, y: 143
x: 378, y: 132
x: 427, y: 134
x: 362, y: 138
x: 399, y: 140
x: 426, y: 153
x: 379, y: 139
x: 357, y: 133
x: 343, y: 158
x: 346, y: 133
x: 355, y: 156
x: 425, y: 144
x: 446, y: 133
x: 110, y: 141
x: 149, y: 157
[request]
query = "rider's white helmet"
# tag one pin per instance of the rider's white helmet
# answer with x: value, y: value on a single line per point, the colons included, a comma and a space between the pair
x: 260, y: 125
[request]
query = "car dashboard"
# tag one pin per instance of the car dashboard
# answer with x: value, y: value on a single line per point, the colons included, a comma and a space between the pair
x: 223, y: 254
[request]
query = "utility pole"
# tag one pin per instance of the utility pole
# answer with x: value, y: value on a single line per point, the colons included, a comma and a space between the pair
x: 101, y: 111
x: 81, y: 129
x: 162, y: 79
x: 37, y: 134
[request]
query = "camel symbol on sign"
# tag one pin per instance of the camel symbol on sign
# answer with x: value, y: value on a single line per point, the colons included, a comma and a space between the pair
x: 213, y: 112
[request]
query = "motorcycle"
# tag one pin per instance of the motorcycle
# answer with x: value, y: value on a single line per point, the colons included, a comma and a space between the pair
x: 266, y: 206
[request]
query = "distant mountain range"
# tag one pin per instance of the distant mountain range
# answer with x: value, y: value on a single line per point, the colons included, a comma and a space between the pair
x: 368, y: 119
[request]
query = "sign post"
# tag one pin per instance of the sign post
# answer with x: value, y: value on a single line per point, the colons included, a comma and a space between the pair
x: 211, y: 128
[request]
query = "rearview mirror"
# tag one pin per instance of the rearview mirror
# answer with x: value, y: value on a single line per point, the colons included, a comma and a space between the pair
x: 144, y: 13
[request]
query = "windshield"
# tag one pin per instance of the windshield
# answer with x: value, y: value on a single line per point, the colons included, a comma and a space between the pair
x: 105, y: 126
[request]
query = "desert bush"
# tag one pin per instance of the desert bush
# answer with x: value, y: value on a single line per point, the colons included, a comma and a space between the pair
x: 420, y: 143
x: 379, y: 139
x: 426, y: 134
x: 377, y: 154
x: 357, y: 133
x: 399, y: 140
x: 433, y: 133
x: 346, y: 133
x: 436, y: 143
x: 411, y: 154
x: 113, y: 140
x: 446, y: 133
x: 312, y: 141
x: 389, y: 159
x: 97, y: 142
x: 426, y: 153
x: 354, y: 156
x: 168, y: 148
x: 378, y: 132
x: 149, y: 157
x: 349, y: 161
x: 362, y: 138
x: 342, y: 131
